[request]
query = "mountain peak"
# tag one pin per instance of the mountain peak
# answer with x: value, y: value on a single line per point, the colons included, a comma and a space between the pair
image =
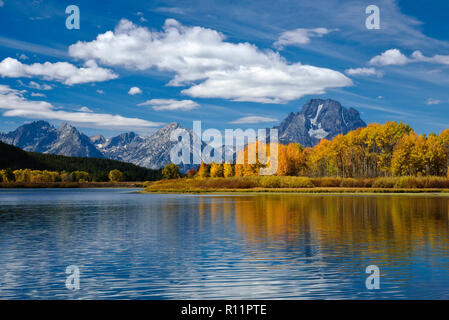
x: 40, y: 136
x: 172, y: 125
x: 318, y: 119
x: 98, y: 139
x: 65, y: 126
x: 40, y: 123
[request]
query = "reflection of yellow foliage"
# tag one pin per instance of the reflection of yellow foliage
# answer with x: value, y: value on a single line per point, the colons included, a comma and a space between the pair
x: 395, y: 222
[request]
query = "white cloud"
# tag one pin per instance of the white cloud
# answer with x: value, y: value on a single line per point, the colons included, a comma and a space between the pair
x: 440, y: 59
x: 36, y: 94
x: 299, y: 36
x: 395, y: 57
x: 210, y: 66
x: 35, y: 85
x: 364, y: 72
x: 254, y: 119
x: 170, y: 104
x: 2, y: 3
x: 60, y: 71
x: 84, y: 109
x: 134, y: 90
x: 23, y: 57
x: 174, y: 10
x: 390, y: 57
x: 431, y: 101
x: 38, y: 86
x: 99, y: 91
x: 16, y: 105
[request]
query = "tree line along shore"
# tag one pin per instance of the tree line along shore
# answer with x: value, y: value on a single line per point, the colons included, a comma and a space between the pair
x: 388, y: 157
x: 301, y: 184
x: 27, y: 178
x: 377, y: 157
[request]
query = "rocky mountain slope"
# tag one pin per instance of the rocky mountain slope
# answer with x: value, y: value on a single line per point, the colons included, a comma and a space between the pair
x: 317, y: 120
x: 40, y: 136
x: 150, y: 152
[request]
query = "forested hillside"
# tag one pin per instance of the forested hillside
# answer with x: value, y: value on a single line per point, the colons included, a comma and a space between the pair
x: 98, y: 169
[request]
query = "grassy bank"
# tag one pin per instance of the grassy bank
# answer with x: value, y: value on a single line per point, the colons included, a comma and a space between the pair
x: 302, y: 184
x: 74, y: 185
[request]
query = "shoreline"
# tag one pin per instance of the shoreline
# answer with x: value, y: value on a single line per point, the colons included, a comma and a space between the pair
x: 301, y: 185
x: 66, y: 185
x: 328, y: 191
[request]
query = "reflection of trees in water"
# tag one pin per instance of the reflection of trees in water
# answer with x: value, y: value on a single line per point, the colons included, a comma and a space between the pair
x: 391, y: 225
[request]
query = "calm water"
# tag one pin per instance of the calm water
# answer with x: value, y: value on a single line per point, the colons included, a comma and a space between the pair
x: 130, y: 245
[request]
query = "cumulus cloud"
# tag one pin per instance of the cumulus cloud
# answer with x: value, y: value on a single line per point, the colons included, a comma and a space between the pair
x: 209, y: 65
x: 299, y: 36
x: 134, y: 90
x: 170, y: 104
x: 364, y: 72
x: 63, y: 72
x: 99, y: 91
x: 254, y: 119
x: 16, y: 105
x: 390, y: 57
x: 396, y: 57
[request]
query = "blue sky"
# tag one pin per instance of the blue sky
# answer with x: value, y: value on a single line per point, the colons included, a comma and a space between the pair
x: 228, y: 63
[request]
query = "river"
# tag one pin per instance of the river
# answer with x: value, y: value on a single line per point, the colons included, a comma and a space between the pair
x: 128, y: 245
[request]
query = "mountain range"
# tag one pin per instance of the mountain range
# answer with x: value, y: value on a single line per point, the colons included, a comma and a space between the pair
x: 317, y: 120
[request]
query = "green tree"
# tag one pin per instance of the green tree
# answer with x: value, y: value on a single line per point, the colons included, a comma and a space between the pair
x: 171, y: 171
x: 9, y: 175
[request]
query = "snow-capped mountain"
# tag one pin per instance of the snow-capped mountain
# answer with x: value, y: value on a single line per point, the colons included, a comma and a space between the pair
x: 98, y: 139
x: 151, y: 152
x: 120, y: 147
x: 317, y: 120
x: 40, y: 136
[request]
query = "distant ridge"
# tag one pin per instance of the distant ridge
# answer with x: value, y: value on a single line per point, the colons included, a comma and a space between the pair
x: 317, y: 119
